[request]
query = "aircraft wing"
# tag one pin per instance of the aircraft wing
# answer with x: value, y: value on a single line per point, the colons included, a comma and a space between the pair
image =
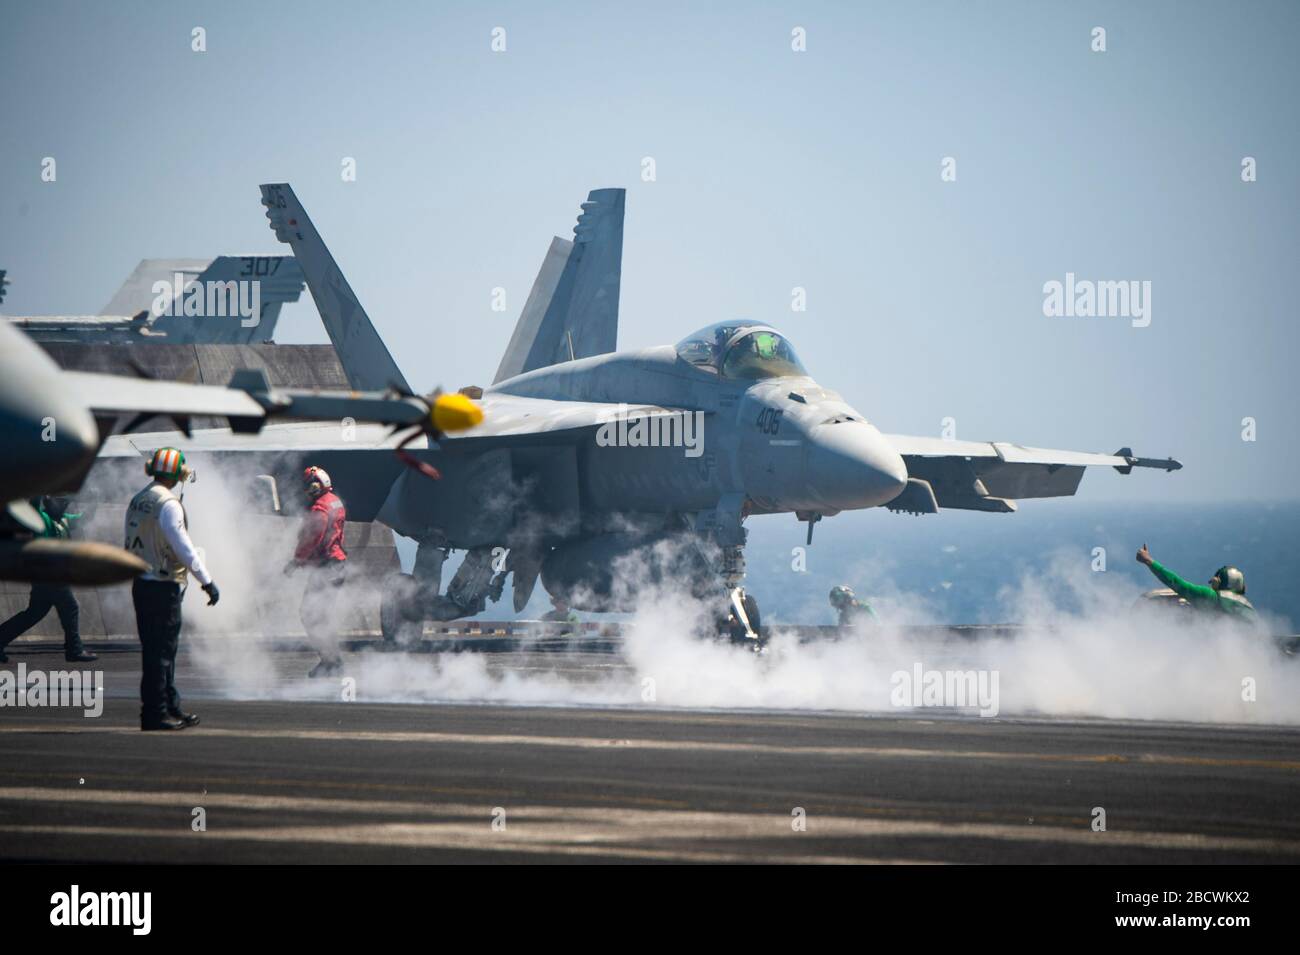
x: 248, y: 402
x: 117, y: 394
x: 508, y: 416
x: 992, y: 475
x: 361, y: 458
x: 508, y: 421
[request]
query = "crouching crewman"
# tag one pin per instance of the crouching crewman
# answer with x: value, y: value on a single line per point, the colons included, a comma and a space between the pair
x: 156, y: 533
x: 851, y: 610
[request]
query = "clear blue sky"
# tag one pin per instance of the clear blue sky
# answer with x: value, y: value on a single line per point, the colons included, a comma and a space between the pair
x: 775, y: 169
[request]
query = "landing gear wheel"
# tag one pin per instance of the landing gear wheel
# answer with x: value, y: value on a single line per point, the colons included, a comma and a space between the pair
x: 401, y: 619
x: 755, y: 622
x: 734, y: 630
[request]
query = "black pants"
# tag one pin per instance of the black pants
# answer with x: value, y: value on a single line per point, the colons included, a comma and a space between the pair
x: 158, y: 618
x: 45, y: 596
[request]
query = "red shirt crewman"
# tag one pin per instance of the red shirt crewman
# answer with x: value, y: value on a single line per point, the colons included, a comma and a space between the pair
x: 321, y: 538
x: 321, y: 555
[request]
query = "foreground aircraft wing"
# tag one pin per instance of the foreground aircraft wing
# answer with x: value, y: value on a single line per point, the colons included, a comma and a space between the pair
x: 992, y: 475
x: 117, y: 394
x: 248, y: 401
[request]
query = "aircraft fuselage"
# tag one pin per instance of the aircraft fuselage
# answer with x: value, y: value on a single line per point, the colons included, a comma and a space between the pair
x: 781, y: 444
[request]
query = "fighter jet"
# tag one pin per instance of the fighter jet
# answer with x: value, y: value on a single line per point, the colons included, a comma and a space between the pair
x: 52, y: 422
x: 603, y: 471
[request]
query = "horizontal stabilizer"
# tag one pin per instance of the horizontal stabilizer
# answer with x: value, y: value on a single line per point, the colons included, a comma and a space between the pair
x: 162, y: 288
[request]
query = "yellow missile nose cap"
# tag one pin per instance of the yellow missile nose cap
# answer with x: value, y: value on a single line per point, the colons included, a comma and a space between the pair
x: 455, y: 412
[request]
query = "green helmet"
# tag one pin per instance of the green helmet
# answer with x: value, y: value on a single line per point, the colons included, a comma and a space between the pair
x: 1230, y: 579
x: 841, y: 596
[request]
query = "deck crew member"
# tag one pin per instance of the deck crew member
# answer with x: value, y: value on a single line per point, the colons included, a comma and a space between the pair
x: 156, y: 532
x: 1225, y: 594
x: 58, y: 523
x: 321, y: 554
x: 852, y: 611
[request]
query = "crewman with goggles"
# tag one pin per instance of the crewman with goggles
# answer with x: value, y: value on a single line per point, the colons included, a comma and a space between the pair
x: 321, y: 555
x: 156, y: 532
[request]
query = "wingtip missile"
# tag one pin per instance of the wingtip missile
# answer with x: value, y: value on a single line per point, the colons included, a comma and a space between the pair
x: 1163, y: 464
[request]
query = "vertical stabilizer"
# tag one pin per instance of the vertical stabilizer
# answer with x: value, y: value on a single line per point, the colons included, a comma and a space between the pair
x: 363, y: 354
x: 530, y: 319
x: 572, y: 311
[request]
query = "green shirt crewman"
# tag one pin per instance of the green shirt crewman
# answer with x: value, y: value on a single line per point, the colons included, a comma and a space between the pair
x: 561, y: 613
x: 58, y: 522
x: 47, y: 596
x: 851, y: 610
x: 1226, y: 592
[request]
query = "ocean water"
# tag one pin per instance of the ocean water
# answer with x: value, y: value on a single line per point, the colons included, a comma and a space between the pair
x: 959, y: 565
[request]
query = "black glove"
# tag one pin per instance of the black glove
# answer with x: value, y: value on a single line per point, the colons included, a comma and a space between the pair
x: 213, y: 593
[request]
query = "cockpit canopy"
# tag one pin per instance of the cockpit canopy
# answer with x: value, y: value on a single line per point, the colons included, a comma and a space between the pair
x: 742, y: 350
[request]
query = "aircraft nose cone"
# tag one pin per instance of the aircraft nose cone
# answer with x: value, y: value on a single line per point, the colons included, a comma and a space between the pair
x: 851, y: 466
x: 51, y: 443
x: 49, y: 437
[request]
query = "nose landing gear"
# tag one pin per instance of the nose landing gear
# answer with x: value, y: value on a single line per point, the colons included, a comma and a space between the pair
x: 720, y: 537
x: 743, y: 624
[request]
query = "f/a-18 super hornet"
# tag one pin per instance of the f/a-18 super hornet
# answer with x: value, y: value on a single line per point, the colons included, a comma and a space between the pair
x: 52, y: 423
x: 600, y: 471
